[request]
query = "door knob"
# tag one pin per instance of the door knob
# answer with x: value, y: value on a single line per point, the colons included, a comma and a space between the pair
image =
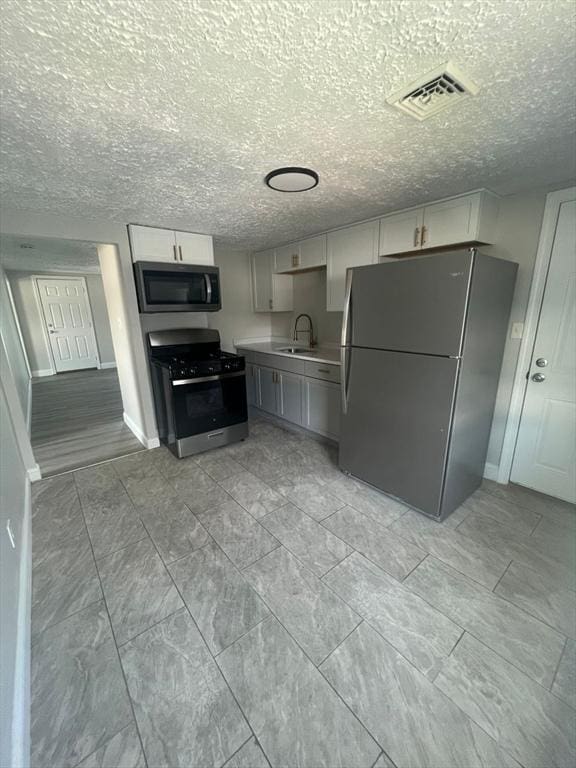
x: 538, y: 377
x: 541, y: 362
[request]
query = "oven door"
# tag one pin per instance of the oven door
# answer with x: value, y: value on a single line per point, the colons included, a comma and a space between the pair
x: 177, y: 287
x: 209, y: 403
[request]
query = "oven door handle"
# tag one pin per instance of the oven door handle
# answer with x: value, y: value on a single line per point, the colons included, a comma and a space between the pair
x: 202, y: 379
x: 208, y: 284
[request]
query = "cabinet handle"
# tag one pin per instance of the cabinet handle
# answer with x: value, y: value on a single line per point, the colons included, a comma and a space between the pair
x: 423, y: 240
x: 416, y: 233
x: 270, y: 303
x: 175, y: 253
x: 323, y: 370
x: 180, y: 251
x: 295, y: 259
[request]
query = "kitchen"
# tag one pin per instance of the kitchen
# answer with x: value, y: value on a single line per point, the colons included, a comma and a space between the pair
x: 347, y: 536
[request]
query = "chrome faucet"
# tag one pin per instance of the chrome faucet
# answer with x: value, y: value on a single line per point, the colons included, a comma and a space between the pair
x: 309, y: 331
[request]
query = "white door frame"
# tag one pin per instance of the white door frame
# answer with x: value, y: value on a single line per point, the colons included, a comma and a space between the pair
x: 549, y: 222
x: 35, y: 279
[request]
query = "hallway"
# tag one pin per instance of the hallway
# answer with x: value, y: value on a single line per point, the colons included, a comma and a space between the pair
x: 77, y: 421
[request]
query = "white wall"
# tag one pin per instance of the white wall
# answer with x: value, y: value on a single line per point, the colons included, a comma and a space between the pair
x: 117, y: 277
x: 237, y: 319
x: 15, y: 353
x: 102, y: 329
x: 17, y: 468
x: 31, y: 323
x: 310, y: 297
x: 517, y: 235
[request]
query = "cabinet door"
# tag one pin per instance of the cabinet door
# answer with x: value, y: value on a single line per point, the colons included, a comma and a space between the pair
x: 194, y: 249
x: 151, y: 244
x: 287, y: 258
x: 401, y: 232
x: 282, y: 293
x: 322, y: 407
x: 262, y: 280
x: 252, y: 385
x: 313, y: 252
x: 350, y: 247
x: 290, y: 396
x: 268, y: 386
x: 454, y: 221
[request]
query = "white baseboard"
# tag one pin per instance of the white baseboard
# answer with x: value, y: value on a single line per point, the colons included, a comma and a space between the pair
x: 21, y: 701
x: 43, y: 372
x: 147, y: 442
x: 34, y: 473
x: 491, y: 471
x: 107, y: 365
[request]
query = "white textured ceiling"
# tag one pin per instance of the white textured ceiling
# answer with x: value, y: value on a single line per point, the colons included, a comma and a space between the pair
x: 171, y: 112
x: 42, y: 254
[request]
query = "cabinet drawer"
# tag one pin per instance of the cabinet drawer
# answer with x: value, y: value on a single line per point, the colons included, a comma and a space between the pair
x: 324, y: 371
x: 279, y: 362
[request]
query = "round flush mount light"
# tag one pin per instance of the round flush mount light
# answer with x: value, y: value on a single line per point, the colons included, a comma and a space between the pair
x: 292, y: 179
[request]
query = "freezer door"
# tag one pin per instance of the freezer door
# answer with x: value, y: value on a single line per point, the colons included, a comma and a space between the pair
x: 412, y: 305
x: 395, y: 431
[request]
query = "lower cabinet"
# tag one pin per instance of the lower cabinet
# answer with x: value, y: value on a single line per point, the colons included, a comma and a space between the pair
x: 308, y: 402
x: 289, y: 396
x: 322, y: 407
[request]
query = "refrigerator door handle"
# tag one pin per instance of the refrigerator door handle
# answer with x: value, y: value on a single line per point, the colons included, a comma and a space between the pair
x: 345, y: 340
x: 344, y: 379
x: 346, y: 316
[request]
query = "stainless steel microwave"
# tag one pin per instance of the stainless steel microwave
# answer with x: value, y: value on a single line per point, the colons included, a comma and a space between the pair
x: 165, y: 287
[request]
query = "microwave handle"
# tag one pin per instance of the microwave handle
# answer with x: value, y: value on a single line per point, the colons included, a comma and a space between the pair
x: 208, y: 284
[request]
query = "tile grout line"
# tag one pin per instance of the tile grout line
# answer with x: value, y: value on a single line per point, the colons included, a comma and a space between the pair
x: 500, y: 579
x: 558, y: 665
x: 185, y: 607
x: 134, y: 719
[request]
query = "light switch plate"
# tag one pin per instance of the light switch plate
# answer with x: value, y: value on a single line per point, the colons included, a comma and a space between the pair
x: 517, y: 330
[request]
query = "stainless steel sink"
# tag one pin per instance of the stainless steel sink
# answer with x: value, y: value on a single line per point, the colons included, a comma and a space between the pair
x: 296, y: 350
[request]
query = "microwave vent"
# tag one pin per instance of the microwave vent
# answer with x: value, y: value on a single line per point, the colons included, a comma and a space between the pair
x: 443, y: 87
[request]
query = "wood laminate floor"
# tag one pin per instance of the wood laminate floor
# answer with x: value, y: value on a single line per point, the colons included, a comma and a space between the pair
x: 77, y: 421
x: 254, y: 607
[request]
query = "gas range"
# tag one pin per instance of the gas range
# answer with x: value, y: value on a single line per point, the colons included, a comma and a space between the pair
x: 199, y: 390
x: 185, y: 367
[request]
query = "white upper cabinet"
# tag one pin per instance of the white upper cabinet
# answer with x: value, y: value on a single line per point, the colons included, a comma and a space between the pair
x: 151, y: 244
x: 287, y: 257
x: 313, y: 252
x: 349, y: 247
x: 305, y: 254
x: 464, y: 219
x: 401, y: 232
x: 271, y: 293
x: 154, y: 244
x: 194, y: 249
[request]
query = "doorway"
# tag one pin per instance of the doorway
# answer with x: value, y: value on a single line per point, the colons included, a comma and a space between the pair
x: 545, y: 451
x: 75, y: 405
x: 68, y: 323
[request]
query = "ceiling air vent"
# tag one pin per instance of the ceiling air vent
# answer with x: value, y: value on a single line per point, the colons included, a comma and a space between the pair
x: 436, y: 90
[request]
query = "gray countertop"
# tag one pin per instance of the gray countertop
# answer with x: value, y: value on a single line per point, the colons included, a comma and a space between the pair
x: 316, y: 355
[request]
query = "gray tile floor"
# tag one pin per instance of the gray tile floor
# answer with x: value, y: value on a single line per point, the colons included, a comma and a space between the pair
x: 255, y: 607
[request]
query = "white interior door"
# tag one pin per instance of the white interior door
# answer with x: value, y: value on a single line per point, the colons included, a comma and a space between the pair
x: 68, y: 323
x: 545, y: 456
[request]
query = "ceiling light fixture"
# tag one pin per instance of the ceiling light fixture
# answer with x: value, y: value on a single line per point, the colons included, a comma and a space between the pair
x: 292, y: 179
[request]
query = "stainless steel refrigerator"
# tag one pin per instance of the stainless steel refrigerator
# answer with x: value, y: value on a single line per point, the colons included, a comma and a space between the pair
x: 422, y: 345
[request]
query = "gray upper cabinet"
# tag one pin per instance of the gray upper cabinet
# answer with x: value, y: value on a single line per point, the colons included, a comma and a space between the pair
x: 468, y: 218
x: 350, y: 247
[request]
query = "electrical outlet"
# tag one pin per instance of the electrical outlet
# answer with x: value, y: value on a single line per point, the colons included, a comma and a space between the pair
x: 10, y: 534
x: 517, y: 330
